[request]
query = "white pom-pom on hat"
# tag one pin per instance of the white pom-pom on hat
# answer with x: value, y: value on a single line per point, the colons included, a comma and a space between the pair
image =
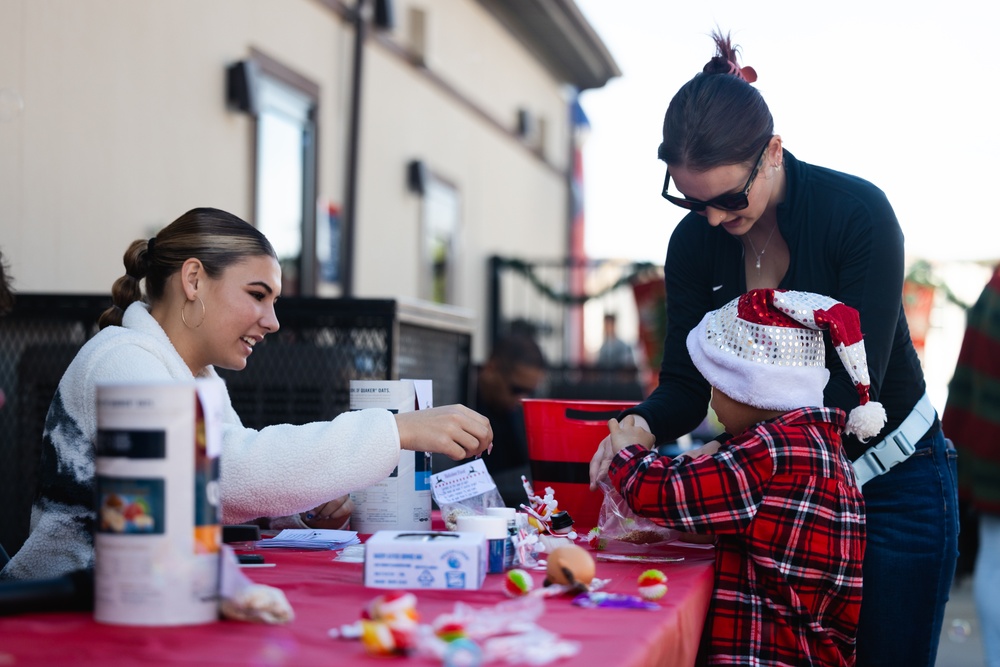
x: 865, y: 421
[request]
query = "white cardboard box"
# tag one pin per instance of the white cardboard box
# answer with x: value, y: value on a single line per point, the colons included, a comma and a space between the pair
x: 418, y: 559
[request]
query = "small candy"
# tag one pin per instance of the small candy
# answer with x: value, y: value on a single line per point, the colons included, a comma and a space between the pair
x: 392, y: 606
x: 652, y: 584
x: 449, y: 627
x: 463, y: 653
x: 377, y: 638
x: 594, y: 539
x: 612, y: 601
x: 518, y: 583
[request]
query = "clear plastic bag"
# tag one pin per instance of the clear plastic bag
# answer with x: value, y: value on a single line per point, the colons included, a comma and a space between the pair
x: 465, y: 497
x: 620, y: 530
x: 474, y: 505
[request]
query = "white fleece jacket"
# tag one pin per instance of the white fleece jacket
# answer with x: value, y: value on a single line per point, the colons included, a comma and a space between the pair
x: 277, y: 471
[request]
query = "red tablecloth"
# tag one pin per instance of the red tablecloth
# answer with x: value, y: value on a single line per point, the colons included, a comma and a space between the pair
x: 327, y: 594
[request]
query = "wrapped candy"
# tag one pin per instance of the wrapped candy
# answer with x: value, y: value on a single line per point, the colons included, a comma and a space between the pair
x: 449, y: 627
x: 518, y: 583
x: 389, y: 624
x: 652, y: 585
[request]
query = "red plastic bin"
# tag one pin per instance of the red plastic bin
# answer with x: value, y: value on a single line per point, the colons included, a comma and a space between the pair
x: 562, y: 438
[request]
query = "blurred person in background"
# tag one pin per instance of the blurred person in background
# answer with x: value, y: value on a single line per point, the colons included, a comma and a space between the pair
x: 972, y: 420
x: 514, y: 370
x: 614, y: 352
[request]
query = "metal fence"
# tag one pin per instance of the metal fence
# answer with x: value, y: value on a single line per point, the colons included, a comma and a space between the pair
x: 299, y: 374
x: 548, y: 298
x: 552, y: 301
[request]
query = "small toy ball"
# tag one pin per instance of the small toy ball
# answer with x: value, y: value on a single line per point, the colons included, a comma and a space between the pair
x: 652, y: 585
x: 449, y: 627
x: 518, y: 583
x: 571, y: 565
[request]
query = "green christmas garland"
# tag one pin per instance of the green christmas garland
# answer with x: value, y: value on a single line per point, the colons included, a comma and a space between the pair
x: 640, y: 271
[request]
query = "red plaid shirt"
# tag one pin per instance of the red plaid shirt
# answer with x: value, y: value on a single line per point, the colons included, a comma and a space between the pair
x: 790, y: 522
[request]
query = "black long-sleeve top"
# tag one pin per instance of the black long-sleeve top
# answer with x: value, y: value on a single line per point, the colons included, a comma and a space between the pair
x: 844, y: 241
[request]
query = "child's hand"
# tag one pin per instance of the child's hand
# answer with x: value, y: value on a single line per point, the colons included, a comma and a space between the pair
x: 708, y: 448
x: 627, y: 433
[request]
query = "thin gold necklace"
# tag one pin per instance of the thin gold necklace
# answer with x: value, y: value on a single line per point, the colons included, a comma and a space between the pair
x: 763, y: 249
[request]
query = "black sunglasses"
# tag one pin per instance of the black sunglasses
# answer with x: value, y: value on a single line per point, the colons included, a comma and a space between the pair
x: 731, y: 201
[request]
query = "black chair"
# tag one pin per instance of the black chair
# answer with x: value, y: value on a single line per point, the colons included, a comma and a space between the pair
x: 39, y: 370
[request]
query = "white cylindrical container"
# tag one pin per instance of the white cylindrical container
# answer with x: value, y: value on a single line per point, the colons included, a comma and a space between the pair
x: 158, y: 535
x: 494, y: 528
x: 401, y: 501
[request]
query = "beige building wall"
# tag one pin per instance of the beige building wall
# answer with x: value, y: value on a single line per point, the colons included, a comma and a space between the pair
x: 124, y: 127
x: 513, y: 203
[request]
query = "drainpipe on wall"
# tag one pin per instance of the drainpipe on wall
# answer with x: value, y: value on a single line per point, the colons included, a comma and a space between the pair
x: 383, y: 18
x: 360, y: 22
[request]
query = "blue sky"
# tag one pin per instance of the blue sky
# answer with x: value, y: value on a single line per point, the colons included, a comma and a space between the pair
x: 900, y: 93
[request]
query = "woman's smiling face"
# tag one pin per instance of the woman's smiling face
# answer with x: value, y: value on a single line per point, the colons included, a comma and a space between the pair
x: 239, y: 311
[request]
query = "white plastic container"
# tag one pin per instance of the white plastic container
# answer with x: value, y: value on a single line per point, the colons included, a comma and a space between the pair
x: 158, y: 534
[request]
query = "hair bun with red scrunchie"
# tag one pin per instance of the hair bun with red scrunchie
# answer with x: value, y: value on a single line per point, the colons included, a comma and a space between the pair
x: 726, y: 59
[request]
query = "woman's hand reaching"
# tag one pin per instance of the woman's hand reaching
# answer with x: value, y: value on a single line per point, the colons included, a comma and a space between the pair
x: 633, y: 430
x: 331, y: 515
x: 452, y: 430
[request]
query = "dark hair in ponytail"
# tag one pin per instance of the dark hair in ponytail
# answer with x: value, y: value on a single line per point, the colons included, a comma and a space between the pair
x: 716, y: 118
x: 216, y: 238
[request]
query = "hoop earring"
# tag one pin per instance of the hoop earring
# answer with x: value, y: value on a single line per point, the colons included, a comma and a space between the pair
x: 201, y: 321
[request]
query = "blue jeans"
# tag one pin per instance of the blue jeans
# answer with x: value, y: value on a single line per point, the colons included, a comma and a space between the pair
x: 910, y: 555
x: 986, y: 586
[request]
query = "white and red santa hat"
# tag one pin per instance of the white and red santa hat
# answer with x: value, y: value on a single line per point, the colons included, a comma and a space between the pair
x: 766, y: 349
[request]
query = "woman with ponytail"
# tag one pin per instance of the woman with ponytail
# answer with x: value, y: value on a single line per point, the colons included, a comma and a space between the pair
x: 758, y: 217
x: 211, y: 281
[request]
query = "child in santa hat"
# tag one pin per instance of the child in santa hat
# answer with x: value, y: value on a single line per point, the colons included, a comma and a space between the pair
x: 780, y: 495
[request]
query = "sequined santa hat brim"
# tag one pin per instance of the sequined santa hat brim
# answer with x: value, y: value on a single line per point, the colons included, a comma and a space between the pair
x: 768, y: 367
x: 766, y: 349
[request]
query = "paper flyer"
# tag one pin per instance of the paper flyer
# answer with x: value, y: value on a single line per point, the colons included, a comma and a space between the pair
x: 402, y: 501
x: 158, y: 535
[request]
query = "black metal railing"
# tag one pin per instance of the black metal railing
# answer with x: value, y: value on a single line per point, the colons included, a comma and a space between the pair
x: 299, y: 374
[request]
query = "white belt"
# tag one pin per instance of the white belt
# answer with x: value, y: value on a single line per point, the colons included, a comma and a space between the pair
x: 897, y: 446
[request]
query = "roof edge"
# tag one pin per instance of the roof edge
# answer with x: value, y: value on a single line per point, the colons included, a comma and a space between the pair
x: 559, y: 34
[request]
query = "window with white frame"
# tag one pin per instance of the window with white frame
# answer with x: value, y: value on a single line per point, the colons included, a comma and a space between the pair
x: 285, y: 178
x: 441, y: 213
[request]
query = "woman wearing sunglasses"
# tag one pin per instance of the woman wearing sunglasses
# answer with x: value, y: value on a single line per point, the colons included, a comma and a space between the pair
x: 760, y: 218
